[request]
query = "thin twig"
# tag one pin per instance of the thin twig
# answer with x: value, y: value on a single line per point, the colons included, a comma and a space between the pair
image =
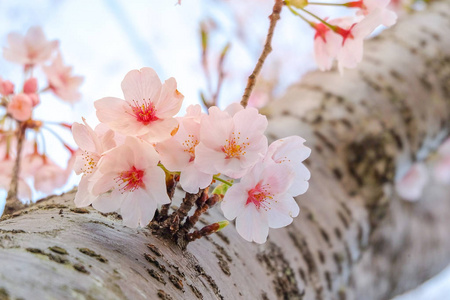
x: 274, y: 17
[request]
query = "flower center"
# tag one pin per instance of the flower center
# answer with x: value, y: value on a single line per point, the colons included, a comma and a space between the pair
x: 90, y: 162
x: 145, y: 112
x: 260, y: 197
x: 234, y: 147
x: 130, y: 180
x: 189, y: 146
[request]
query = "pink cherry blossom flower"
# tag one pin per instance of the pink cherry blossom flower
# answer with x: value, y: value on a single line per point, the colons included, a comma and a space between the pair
x: 261, y: 201
x: 231, y: 145
x: 327, y: 45
x: 367, y: 6
x: 131, y: 181
x: 353, y: 34
x: 20, y: 107
x: 291, y: 152
x: 62, y: 82
x: 178, y: 154
x: 49, y: 177
x: 6, y: 87
x: 148, y: 108
x: 31, y: 49
x: 92, y: 145
x: 410, y: 186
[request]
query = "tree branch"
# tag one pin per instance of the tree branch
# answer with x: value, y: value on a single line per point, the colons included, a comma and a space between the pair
x: 274, y: 17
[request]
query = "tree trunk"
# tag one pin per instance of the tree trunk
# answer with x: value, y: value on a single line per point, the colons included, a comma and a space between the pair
x: 354, y: 238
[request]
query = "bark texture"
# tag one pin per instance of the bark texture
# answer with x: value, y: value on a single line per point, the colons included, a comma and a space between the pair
x: 354, y: 238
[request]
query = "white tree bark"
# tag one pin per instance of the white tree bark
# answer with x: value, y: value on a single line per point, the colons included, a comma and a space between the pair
x: 354, y: 238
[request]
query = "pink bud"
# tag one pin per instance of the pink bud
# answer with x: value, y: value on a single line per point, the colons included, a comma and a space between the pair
x: 30, y: 86
x: 6, y: 87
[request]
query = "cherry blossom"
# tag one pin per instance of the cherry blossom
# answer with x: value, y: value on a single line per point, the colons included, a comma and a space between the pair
x: 31, y: 49
x: 354, y: 32
x: 231, y: 144
x: 261, y: 201
x: 410, y: 186
x: 367, y: 6
x: 148, y: 108
x: 131, y: 181
x: 291, y: 151
x: 61, y: 81
x: 49, y: 176
x: 6, y: 87
x: 92, y: 145
x: 20, y: 107
x: 327, y: 45
x: 178, y: 154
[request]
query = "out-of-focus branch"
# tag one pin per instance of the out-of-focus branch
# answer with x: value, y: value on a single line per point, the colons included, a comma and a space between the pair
x: 274, y: 17
x: 12, y: 201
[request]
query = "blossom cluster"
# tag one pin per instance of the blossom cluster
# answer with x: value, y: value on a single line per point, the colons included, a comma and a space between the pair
x: 411, y: 185
x: 342, y: 39
x: 125, y: 160
x: 21, y: 140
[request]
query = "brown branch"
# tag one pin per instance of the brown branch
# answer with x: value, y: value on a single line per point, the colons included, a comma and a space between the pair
x: 12, y: 201
x: 274, y: 17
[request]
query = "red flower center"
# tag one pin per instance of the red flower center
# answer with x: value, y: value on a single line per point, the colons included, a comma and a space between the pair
x: 260, y: 197
x: 130, y: 180
x: 145, y: 112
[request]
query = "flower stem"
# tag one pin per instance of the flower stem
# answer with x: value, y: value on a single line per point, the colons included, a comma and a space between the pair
x: 332, y: 27
x: 222, y: 180
x: 274, y: 17
x: 327, y: 4
x: 301, y: 17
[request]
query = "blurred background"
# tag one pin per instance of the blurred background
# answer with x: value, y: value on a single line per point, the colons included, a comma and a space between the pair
x: 104, y: 39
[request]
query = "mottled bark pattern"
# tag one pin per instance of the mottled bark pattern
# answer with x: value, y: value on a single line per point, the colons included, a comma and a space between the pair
x: 354, y: 239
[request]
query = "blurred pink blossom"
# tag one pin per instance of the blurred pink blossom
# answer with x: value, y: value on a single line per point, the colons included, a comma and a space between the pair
x: 61, y: 81
x: 410, y: 186
x: 20, y: 107
x: 31, y: 49
x: 6, y: 87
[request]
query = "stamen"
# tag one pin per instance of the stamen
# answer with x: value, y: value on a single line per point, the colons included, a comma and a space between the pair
x: 234, y: 147
x: 129, y: 181
x: 260, y: 196
x: 189, y: 145
x: 145, y: 112
x: 89, y: 163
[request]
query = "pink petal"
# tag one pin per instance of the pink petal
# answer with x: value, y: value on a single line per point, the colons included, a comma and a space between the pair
x: 107, y: 203
x: 169, y: 102
x: 155, y: 185
x: 191, y: 179
x: 234, y: 201
x: 84, y: 197
x: 252, y: 225
x: 141, y: 84
x: 282, y: 211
